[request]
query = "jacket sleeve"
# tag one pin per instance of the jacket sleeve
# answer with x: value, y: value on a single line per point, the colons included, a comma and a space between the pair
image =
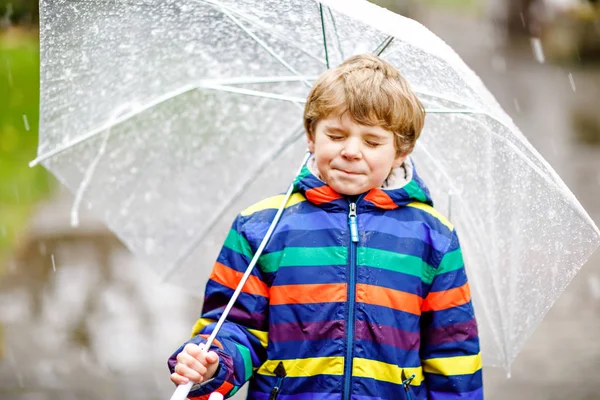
x: 242, y: 340
x: 450, y: 353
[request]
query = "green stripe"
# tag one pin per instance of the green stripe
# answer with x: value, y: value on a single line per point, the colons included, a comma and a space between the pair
x: 451, y: 262
x: 304, y: 257
x: 233, y: 391
x: 396, y: 262
x: 304, y: 172
x: 238, y: 243
x: 247, y: 360
x: 415, y: 191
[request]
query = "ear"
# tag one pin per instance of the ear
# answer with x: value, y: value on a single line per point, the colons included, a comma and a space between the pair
x: 311, y: 143
x: 399, y: 160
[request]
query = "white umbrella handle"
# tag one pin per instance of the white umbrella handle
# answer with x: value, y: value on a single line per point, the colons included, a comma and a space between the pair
x: 182, y: 390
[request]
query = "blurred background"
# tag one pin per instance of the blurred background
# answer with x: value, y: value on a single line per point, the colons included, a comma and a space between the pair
x: 81, y: 319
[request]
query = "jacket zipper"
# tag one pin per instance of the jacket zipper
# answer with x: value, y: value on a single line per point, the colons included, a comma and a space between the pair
x: 280, y: 373
x: 351, y: 301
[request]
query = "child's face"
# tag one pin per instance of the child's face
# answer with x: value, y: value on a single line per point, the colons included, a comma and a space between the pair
x: 353, y: 158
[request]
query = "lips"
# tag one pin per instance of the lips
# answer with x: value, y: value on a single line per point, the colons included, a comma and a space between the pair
x: 349, y: 172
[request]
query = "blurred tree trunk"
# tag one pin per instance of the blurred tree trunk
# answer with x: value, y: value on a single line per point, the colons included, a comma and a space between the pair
x: 514, y: 15
x: 518, y: 17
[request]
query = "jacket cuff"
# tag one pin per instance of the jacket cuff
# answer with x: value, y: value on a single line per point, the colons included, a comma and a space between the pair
x: 221, y: 382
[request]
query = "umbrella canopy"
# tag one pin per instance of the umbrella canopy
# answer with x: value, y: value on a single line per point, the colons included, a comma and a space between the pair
x: 168, y: 117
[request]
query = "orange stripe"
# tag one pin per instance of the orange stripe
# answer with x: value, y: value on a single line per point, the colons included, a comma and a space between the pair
x: 215, y: 341
x: 391, y: 298
x: 381, y: 199
x: 323, y: 194
x: 230, y: 278
x: 223, y: 389
x: 436, y: 301
x: 305, y: 294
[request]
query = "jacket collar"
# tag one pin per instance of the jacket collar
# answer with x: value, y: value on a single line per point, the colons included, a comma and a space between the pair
x: 402, y: 187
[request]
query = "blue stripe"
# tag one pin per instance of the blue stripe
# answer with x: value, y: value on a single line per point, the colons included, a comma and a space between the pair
x: 283, y: 313
x: 451, y: 316
x: 474, y: 395
x: 455, y: 383
x: 310, y: 275
x: 448, y: 280
x: 451, y: 349
x: 234, y: 260
x: 410, y: 246
x: 386, y: 353
x: 293, y: 385
x: 367, y: 387
x: 307, y: 349
x: 306, y: 238
x: 301, y: 396
x: 387, y: 316
x: 404, y: 228
x: 390, y: 279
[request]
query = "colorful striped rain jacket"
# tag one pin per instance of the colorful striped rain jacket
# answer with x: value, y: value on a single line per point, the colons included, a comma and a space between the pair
x: 350, y: 299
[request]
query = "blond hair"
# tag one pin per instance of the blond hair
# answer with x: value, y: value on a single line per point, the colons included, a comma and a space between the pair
x: 373, y: 92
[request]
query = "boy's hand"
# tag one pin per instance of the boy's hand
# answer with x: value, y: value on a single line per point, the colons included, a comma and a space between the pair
x: 194, y: 364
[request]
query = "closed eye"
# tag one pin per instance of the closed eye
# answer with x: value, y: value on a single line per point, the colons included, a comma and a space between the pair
x: 335, y: 137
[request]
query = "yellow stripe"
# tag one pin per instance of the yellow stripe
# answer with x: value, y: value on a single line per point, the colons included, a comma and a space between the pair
x: 204, y: 322
x: 201, y: 324
x: 305, y: 366
x: 430, y: 210
x: 381, y: 371
x: 260, y: 335
x: 463, y: 365
x: 273, y: 202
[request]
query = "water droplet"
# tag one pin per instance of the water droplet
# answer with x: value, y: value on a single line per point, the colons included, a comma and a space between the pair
x: 25, y: 122
x: 53, y: 263
x: 572, y: 82
x: 538, y: 51
x: 517, y: 105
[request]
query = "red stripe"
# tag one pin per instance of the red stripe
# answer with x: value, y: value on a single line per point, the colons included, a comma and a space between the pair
x: 223, y: 389
x: 306, y: 294
x: 390, y: 298
x: 230, y: 278
x: 436, y: 301
x: 381, y: 199
x: 323, y: 194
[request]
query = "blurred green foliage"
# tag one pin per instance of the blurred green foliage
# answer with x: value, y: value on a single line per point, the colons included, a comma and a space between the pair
x: 20, y: 186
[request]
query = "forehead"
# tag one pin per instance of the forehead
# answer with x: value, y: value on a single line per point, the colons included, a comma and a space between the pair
x: 347, y: 124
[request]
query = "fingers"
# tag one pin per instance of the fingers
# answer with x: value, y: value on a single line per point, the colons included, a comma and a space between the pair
x: 211, y: 357
x: 192, y: 364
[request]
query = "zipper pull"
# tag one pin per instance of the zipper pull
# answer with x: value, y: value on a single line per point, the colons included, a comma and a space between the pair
x: 280, y: 373
x: 352, y: 222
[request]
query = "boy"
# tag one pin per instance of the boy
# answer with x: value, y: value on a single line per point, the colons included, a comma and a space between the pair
x: 361, y: 291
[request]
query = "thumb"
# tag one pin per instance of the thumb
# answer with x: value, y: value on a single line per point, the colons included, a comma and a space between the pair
x: 212, y: 357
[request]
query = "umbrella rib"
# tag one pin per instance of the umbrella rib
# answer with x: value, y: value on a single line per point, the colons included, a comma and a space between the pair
x: 297, y: 133
x: 256, y: 93
x: 383, y: 45
x: 170, y: 95
x: 337, y: 36
x: 324, y: 34
x: 261, y: 26
x: 260, y: 42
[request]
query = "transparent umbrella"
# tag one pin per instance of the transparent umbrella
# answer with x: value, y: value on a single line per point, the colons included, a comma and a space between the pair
x: 167, y: 117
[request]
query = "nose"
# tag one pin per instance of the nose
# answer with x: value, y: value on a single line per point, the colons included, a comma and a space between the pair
x: 352, y: 149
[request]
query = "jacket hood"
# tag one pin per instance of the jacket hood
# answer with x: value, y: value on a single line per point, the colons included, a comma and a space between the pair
x: 402, y: 187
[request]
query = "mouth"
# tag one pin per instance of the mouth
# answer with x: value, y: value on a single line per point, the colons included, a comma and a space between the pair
x: 349, y: 172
